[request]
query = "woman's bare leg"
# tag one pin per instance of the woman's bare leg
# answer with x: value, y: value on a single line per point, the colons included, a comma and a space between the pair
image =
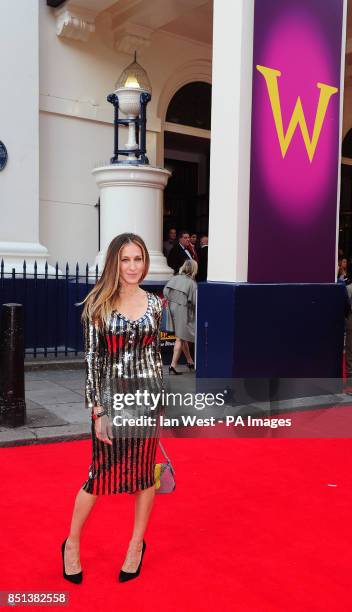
x: 84, y: 503
x: 176, y: 353
x: 186, y: 351
x: 143, y: 507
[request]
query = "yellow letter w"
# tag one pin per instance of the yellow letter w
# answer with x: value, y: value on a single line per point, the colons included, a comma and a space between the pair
x: 298, y: 118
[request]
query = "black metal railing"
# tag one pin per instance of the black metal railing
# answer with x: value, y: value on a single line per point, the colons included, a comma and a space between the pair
x: 52, y: 320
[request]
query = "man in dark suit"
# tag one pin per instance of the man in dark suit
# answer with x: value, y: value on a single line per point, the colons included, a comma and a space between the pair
x: 203, y: 260
x: 179, y: 253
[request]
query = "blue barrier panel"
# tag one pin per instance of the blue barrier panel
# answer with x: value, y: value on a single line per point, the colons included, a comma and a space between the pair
x: 270, y: 331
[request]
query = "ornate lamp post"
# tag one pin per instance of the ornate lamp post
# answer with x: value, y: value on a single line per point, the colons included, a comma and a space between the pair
x: 131, y: 190
x: 131, y: 96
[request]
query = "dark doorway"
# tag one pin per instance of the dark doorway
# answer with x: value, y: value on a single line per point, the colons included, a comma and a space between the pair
x: 345, y: 221
x: 186, y: 198
x: 345, y: 227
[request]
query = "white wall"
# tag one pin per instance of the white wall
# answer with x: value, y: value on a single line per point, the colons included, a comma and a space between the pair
x: 19, y: 181
x: 68, y: 192
x: 76, y: 129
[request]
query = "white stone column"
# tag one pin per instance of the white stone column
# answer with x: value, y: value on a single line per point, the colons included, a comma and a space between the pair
x: 230, y: 140
x: 131, y: 200
x: 19, y: 110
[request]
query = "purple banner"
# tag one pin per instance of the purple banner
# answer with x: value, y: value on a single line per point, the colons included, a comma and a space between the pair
x: 295, y: 140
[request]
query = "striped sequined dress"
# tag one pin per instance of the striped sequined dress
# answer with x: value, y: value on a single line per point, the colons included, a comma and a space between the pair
x: 124, y: 363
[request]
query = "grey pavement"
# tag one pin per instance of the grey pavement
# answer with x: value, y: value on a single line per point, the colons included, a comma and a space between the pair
x: 55, y: 409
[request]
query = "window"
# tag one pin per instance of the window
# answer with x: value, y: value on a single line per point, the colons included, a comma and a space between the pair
x: 191, y: 105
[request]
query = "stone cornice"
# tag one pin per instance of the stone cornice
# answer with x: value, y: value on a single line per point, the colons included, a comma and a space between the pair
x: 125, y: 38
x: 75, y: 23
x: 130, y: 37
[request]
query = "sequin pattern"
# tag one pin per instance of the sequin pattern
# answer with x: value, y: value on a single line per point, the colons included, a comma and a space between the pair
x: 126, y: 356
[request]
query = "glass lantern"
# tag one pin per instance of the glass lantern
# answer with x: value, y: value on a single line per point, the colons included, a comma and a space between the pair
x: 132, y: 94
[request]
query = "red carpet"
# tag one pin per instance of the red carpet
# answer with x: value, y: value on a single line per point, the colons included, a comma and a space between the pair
x: 252, y: 526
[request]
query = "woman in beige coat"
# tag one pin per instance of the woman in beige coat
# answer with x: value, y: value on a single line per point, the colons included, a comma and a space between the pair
x: 181, y: 294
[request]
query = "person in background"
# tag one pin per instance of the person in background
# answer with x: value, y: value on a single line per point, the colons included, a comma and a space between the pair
x: 192, y: 248
x: 170, y: 242
x: 342, y: 270
x: 193, y: 245
x: 181, y: 294
x: 180, y: 252
x: 203, y: 260
x: 194, y: 239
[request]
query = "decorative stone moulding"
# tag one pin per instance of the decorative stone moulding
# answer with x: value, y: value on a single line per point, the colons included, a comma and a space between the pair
x: 130, y: 37
x: 74, y: 23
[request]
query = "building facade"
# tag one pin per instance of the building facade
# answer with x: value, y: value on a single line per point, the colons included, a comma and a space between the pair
x: 61, y: 60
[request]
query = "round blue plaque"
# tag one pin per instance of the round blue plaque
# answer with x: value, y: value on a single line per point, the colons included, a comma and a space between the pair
x: 3, y: 156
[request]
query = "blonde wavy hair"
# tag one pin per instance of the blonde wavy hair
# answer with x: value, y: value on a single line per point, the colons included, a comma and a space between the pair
x: 99, y: 302
x: 190, y: 268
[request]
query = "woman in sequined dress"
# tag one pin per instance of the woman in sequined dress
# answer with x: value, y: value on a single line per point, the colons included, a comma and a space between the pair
x: 121, y: 329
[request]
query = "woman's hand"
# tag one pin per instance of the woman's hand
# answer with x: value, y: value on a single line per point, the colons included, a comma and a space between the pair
x: 103, y: 430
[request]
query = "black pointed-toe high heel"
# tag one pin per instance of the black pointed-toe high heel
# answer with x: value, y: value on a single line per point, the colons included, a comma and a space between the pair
x: 173, y: 371
x: 190, y: 366
x: 75, y: 578
x: 125, y: 576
